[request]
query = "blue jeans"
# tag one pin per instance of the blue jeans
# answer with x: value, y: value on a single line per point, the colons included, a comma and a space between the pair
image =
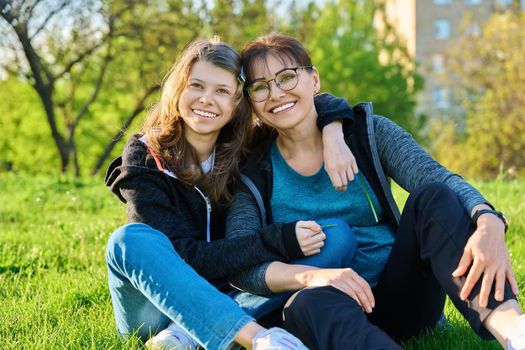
x: 150, y: 285
x: 338, y: 252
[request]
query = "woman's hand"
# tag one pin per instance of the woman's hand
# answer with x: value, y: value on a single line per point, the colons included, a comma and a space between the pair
x: 339, y: 161
x: 486, y: 254
x: 310, y: 237
x: 346, y: 280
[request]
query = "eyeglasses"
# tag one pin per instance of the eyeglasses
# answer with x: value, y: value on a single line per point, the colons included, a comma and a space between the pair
x: 286, y: 79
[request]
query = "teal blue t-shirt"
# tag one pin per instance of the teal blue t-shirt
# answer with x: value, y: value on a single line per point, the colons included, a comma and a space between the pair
x: 297, y: 197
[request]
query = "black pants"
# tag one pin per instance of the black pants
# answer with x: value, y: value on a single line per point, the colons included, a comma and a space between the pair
x: 410, y: 293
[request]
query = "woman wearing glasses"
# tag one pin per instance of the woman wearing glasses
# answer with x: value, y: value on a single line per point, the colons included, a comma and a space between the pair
x: 446, y: 238
x: 169, y: 265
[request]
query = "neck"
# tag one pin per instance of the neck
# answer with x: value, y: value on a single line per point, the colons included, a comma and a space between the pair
x: 203, y: 144
x: 301, y: 139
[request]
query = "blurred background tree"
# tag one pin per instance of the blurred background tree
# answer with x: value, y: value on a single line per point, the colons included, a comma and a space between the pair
x: 78, y: 76
x: 489, y: 78
x: 362, y: 63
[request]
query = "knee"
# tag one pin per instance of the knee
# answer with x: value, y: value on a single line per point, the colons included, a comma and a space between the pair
x: 432, y: 192
x: 311, y: 302
x: 128, y: 241
x: 300, y: 302
x: 340, y: 244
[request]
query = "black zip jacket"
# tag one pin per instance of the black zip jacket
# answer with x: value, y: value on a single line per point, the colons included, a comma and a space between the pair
x: 185, y: 216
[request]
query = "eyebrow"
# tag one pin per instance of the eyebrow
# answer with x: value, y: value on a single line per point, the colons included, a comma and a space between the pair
x: 275, y: 75
x: 220, y: 85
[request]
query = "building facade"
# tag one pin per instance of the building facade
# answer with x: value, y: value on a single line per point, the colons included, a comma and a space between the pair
x: 430, y: 28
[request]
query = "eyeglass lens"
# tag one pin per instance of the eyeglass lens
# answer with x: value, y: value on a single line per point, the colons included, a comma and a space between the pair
x: 285, y: 80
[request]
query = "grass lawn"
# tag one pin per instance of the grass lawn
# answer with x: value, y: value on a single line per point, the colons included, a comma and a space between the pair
x: 53, y: 288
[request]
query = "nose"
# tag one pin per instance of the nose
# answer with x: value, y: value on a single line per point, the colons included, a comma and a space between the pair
x: 206, y: 97
x: 275, y: 91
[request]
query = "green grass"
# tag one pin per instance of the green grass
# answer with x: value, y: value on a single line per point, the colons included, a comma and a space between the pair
x: 53, y: 287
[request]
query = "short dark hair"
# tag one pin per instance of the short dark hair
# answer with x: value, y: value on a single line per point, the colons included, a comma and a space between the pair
x: 282, y: 47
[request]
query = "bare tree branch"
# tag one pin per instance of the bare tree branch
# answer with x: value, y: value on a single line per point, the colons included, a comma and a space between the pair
x: 31, y: 8
x: 96, y: 90
x: 6, y: 11
x: 81, y: 57
x: 139, y: 107
x: 48, y: 18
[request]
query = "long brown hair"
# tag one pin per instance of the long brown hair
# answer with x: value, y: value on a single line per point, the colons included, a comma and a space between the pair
x: 164, y: 129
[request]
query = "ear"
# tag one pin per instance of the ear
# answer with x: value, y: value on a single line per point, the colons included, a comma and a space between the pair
x: 317, y: 80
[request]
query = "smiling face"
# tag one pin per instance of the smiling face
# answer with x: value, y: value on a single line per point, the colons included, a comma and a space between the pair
x: 285, y: 110
x: 208, y: 101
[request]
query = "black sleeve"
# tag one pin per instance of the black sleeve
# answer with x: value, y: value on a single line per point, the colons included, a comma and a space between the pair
x: 244, y: 220
x: 148, y: 192
x: 330, y: 108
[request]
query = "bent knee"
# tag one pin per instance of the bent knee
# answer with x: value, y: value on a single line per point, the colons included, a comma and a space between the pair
x: 130, y: 239
x: 433, y: 190
x: 317, y: 299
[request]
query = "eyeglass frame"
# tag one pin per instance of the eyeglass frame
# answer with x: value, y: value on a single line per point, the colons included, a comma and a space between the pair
x: 247, y: 86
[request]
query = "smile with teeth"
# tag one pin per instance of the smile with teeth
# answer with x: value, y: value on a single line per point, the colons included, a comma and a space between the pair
x: 283, y: 107
x: 205, y: 114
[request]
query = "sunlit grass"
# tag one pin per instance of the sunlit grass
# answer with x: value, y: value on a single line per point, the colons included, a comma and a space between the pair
x: 53, y: 287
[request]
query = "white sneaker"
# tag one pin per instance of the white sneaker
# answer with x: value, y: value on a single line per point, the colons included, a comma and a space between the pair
x: 517, y: 337
x: 172, y: 338
x: 276, y: 339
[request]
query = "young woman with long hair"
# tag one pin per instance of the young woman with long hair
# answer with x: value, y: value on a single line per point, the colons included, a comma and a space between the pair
x: 168, y: 266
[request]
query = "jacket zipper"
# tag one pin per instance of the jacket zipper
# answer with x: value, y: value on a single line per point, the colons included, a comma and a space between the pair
x: 208, y: 214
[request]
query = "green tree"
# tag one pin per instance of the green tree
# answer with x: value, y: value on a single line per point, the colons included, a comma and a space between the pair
x: 237, y: 21
x: 94, y: 66
x: 489, y: 78
x: 53, y: 60
x: 361, y: 63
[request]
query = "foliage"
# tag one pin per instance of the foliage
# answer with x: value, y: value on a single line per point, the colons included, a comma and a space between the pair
x: 359, y: 62
x: 53, y: 280
x: 488, y: 73
x: 101, y: 66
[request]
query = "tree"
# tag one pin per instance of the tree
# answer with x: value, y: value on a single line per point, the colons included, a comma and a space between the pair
x: 488, y: 76
x: 93, y: 61
x: 49, y: 56
x: 361, y: 63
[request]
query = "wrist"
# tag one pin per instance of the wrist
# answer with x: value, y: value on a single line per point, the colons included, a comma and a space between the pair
x: 483, y: 214
x: 333, y: 130
x: 305, y: 278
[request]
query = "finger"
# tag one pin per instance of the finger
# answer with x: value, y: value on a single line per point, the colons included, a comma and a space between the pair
x: 365, y: 302
x: 334, y: 178
x: 316, y: 240
x: 350, y: 173
x: 512, y: 281
x: 355, y: 169
x: 312, y: 252
x: 345, y: 288
x: 486, y: 286
x: 500, y: 286
x: 464, y: 263
x: 472, y: 278
x: 309, y: 225
x: 315, y: 246
x: 366, y: 288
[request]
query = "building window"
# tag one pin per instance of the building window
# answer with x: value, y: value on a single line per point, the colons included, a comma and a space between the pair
x: 438, y: 63
x: 441, y: 99
x: 473, y: 30
x: 441, y: 29
x: 472, y: 2
x: 442, y: 2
